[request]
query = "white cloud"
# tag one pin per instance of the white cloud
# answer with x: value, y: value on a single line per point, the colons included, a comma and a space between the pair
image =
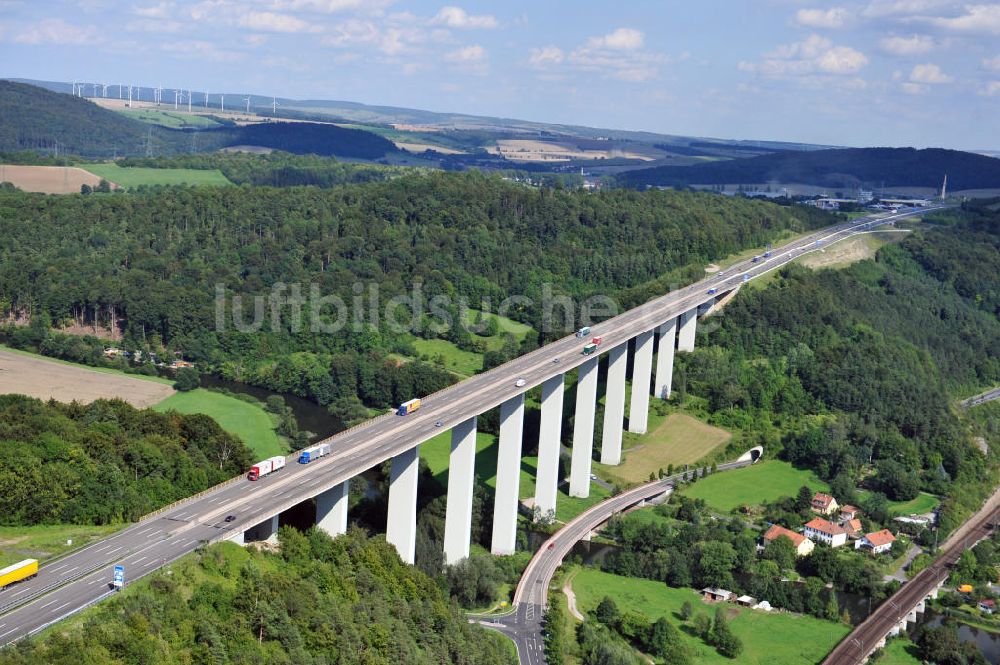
x: 835, y: 17
x: 893, y: 8
x: 912, y: 45
x: 991, y: 89
x: 272, y: 22
x: 456, y: 17
x: 473, y: 53
x: 200, y: 50
x: 57, y: 31
x: 929, y: 73
x: 813, y: 55
x: 983, y: 19
x: 915, y: 88
x: 330, y: 6
x: 161, y: 10
x: 546, y: 56
x: 622, y: 39
x: 992, y: 63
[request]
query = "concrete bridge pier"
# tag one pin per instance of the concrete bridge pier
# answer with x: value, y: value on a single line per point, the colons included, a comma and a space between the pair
x: 665, y: 359
x: 401, y: 526
x: 642, y: 366
x: 331, y: 509
x: 614, y: 406
x: 549, y: 439
x: 508, y: 476
x: 266, y: 531
x: 688, y: 325
x: 583, y: 429
x: 461, y: 481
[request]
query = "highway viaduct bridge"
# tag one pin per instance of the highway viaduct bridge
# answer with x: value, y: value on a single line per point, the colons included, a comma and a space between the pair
x: 655, y: 331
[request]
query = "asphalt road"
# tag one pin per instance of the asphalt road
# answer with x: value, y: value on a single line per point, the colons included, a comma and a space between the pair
x: 854, y: 648
x: 81, y: 578
x: 524, y: 624
x: 988, y: 396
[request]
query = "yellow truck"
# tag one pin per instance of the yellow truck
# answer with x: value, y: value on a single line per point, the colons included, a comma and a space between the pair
x: 18, y: 571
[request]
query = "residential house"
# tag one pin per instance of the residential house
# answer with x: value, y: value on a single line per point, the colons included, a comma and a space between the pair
x: 718, y: 595
x: 987, y: 606
x: 853, y: 528
x: 849, y: 512
x: 878, y: 542
x: 803, y: 546
x: 824, y: 504
x: 746, y: 601
x: 820, y: 529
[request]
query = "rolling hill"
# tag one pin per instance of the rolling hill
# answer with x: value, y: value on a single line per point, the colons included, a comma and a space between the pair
x: 51, y: 123
x: 850, y: 167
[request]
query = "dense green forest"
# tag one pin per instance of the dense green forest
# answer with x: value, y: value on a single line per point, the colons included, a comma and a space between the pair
x: 854, y: 373
x: 48, y: 122
x: 348, y: 601
x: 105, y: 462
x: 150, y: 263
x: 847, y: 168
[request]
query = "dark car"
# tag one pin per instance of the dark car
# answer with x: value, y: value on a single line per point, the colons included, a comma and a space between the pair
x: 230, y: 518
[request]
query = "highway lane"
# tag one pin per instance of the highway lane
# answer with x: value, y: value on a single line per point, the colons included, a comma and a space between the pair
x: 360, y: 448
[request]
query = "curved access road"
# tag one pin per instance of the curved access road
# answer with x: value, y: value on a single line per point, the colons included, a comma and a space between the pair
x: 524, y: 624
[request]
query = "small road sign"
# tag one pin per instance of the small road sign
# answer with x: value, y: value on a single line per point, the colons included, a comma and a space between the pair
x: 119, y: 577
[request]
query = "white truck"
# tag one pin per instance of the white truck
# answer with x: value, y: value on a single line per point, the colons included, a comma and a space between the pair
x: 270, y: 465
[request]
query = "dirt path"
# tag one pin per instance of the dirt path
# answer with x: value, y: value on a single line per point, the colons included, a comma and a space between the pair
x: 46, y: 379
x: 571, y: 600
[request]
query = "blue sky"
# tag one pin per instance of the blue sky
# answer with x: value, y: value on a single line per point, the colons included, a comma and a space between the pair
x: 867, y: 72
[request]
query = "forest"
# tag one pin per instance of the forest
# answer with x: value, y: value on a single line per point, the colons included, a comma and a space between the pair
x: 105, y: 462
x: 854, y: 372
x: 348, y: 601
x: 150, y: 263
x: 847, y: 168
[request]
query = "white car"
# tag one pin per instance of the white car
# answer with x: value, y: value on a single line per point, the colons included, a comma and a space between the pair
x: 520, y: 383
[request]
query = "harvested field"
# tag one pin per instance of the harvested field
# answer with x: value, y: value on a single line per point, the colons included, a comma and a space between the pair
x: 524, y: 150
x: 48, y: 179
x: 48, y: 379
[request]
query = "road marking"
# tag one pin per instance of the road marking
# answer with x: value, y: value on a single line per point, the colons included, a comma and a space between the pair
x: 8, y: 632
x: 20, y: 592
x: 62, y: 606
x: 136, y: 562
x: 42, y: 607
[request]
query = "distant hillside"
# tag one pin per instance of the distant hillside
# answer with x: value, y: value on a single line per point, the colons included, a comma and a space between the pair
x: 45, y: 122
x: 851, y: 167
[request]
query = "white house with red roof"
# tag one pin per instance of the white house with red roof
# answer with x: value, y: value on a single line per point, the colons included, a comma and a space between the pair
x: 803, y: 546
x: 877, y: 542
x: 824, y: 504
x: 825, y: 531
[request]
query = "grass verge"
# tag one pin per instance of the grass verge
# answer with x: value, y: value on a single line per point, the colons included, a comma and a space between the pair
x: 246, y: 420
x: 44, y: 541
x: 753, y: 485
x: 135, y: 176
x: 769, y: 638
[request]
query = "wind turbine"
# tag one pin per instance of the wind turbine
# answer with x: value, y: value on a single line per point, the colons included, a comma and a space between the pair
x: 274, y: 106
x: 177, y: 94
x: 189, y: 101
x: 130, y: 95
x: 247, y: 100
x: 222, y: 103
